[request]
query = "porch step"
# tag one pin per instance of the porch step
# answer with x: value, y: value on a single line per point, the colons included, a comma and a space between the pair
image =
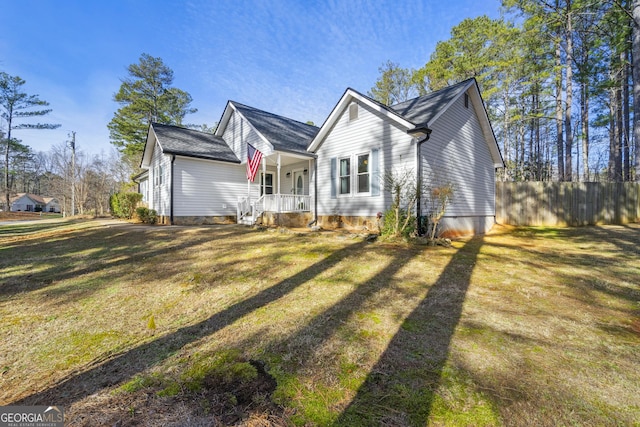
x: 247, y: 220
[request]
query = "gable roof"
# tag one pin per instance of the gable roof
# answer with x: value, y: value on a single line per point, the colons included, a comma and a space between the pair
x: 350, y: 95
x: 43, y: 200
x: 283, y: 133
x: 419, y: 113
x: 191, y: 143
x: 424, y: 110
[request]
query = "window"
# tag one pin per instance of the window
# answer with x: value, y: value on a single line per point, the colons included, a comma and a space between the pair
x: 156, y: 178
x: 345, y: 176
x: 353, y: 111
x: 466, y: 100
x: 161, y: 174
x: 266, y: 184
x: 363, y: 173
x: 29, y: 208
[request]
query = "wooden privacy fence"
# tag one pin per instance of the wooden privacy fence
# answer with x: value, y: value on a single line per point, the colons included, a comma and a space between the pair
x: 567, y: 203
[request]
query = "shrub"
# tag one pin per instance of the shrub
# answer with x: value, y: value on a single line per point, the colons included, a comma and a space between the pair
x: 146, y: 215
x: 439, y: 198
x: 396, y: 223
x: 123, y: 205
x: 398, y: 220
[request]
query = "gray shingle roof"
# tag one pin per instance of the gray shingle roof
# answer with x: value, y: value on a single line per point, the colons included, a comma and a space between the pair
x: 283, y: 133
x: 193, y: 143
x: 423, y: 109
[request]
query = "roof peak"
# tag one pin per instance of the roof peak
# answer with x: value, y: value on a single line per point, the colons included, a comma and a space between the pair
x: 436, y: 92
x: 241, y: 105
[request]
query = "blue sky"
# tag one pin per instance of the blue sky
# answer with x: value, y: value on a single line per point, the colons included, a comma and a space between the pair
x: 293, y: 58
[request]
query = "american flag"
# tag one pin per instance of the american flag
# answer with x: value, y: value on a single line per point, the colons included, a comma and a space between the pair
x: 253, y: 162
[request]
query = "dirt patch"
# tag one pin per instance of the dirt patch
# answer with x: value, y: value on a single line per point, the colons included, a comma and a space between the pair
x: 635, y: 326
x: 220, y: 401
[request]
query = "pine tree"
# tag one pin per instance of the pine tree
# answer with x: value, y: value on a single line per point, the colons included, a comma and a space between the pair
x: 16, y: 105
x: 146, y: 96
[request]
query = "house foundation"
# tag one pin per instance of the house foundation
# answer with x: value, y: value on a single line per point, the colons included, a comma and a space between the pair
x: 351, y: 223
x: 197, y: 220
x: 291, y: 220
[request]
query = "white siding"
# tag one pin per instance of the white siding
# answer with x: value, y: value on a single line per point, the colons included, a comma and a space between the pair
x: 160, y: 192
x: 22, y: 203
x: 286, y: 182
x: 369, y: 131
x: 239, y: 132
x: 143, y: 188
x: 52, y: 206
x: 207, y: 188
x: 458, y: 153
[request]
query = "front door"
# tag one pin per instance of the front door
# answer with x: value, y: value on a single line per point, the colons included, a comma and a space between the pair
x: 298, y: 183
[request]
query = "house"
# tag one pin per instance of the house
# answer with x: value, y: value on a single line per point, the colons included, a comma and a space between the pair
x: 200, y: 178
x: 332, y: 175
x: 442, y: 137
x: 27, y: 202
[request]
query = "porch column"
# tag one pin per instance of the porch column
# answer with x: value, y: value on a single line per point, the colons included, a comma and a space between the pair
x: 309, y: 174
x: 278, y: 174
x: 264, y: 176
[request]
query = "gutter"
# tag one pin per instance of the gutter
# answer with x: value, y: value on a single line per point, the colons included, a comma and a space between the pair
x: 418, y: 131
x: 173, y: 159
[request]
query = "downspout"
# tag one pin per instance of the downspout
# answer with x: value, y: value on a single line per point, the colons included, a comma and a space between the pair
x: 426, y: 132
x: 315, y: 192
x: 173, y: 159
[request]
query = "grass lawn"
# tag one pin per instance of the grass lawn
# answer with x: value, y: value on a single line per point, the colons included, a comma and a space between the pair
x: 124, y: 324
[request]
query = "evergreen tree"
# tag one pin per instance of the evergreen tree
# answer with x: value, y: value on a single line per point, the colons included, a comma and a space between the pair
x: 146, y: 96
x: 394, y: 85
x: 16, y: 105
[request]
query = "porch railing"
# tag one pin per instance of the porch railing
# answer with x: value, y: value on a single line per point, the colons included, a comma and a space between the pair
x: 244, y: 207
x: 273, y: 203
x: 287, y: 203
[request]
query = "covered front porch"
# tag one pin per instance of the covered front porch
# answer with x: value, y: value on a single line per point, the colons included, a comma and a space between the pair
x: 282, y: 186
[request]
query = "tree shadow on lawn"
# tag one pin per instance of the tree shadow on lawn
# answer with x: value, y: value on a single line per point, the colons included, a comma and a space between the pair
x: 60, y: 258
x: 400, y: 388
x: 601, y: 269
x: 20, y: 229
x: 625, y: 237
x: 123, y: 366
x: 305, y: 341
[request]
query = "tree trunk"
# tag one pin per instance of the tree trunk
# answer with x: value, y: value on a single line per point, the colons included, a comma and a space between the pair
x: 505, y: 131
x: 584, y: 102
x: 569, y: 84
x: 615, y: 163
x: 611, y: 166
x: 531, y: 175
x: 625, y: 111
x: 559, y: 135
x: 618, y: 134
x: 636, y: 83
x: 7, y: 189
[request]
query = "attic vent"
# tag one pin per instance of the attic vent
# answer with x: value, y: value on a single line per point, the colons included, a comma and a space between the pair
x: 353, y: 111
x: 466, y: 100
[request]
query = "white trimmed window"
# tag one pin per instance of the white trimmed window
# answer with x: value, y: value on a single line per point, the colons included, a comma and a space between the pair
x: 364, y: 173
x: 266, y: 183
x: 345, y: 175
x: 362, y: 180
